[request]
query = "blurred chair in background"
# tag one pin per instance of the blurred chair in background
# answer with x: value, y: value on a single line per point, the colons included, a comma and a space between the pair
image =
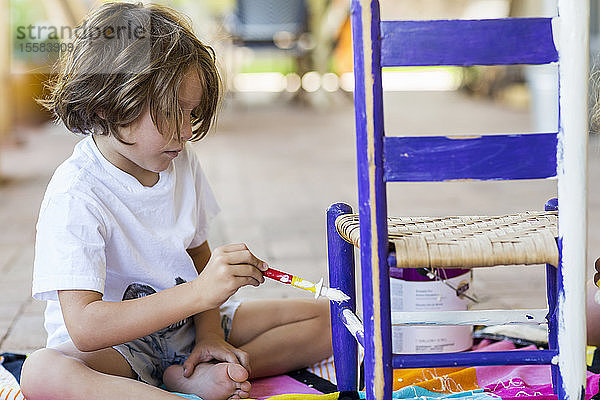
x: 279, y: 23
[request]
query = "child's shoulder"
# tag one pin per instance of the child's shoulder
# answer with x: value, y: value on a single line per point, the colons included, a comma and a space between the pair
x: 78, y: 173
x: 72, y: 193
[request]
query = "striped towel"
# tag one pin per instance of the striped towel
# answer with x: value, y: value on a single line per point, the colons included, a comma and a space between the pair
x: 9, y: 387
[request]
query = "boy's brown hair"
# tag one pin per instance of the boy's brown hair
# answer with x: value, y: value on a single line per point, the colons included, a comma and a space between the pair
x: 128, y: 57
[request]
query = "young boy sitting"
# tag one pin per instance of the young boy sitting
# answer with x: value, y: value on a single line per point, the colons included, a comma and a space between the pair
x: 135, y: 298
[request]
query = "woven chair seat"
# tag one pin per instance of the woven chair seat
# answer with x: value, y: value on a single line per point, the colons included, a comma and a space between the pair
x: 466, y: 241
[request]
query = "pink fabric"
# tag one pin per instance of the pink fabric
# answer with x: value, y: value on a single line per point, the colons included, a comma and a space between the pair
x: 510, y: 382
x: 529, y: 374
x: 275, y: 385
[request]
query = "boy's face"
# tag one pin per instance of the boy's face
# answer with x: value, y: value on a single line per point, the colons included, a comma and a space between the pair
x: 152, y: 152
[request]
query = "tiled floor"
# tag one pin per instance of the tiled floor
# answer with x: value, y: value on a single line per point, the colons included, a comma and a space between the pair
x: 275, y: 167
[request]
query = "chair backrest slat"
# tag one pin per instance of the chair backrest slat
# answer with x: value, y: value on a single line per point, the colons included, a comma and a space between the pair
x: 467, y: 42
x: 493, y: 157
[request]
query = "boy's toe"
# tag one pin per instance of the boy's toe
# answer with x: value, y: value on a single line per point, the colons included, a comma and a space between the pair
x: 245, y: 386
x: 237, y: 373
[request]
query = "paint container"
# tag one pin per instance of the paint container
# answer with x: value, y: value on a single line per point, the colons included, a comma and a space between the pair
x: 411, y: 291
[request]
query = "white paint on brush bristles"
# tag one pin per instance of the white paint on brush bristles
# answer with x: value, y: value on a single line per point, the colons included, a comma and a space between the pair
x: 335, y: 294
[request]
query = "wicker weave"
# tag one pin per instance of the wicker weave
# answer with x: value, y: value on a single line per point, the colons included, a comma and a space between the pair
x: 466, y: 241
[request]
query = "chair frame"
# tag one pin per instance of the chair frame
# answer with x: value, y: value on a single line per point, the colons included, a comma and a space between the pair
x: 566, y: 284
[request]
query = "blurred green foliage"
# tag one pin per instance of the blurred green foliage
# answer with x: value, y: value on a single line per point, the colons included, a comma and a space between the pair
x: 283, y: 64
x: 31, y: 32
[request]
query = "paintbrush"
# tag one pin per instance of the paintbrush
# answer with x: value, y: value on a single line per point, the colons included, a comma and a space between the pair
x: 317, y: 288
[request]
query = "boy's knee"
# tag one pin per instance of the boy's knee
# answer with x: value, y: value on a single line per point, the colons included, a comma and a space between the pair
x: 322, y: 320
x: 42, y: 371
x: 324, y: 310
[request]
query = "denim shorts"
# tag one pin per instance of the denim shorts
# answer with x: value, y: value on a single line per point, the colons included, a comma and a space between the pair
x: 151, y: 355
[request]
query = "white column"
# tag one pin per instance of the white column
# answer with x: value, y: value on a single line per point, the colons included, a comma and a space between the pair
x: 573, y: 31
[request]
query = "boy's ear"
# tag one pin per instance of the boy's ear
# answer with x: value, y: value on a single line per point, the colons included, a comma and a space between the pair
x: 101, y: 113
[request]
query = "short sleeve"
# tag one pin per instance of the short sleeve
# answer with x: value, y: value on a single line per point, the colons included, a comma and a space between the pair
x: 208, y: 208
x: 69, y: 247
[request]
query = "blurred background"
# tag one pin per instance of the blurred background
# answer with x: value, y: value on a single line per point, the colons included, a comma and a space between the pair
x: 283, y: 148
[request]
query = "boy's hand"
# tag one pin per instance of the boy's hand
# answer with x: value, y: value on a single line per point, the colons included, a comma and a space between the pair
x: 230, y: 267
x: 597, y: 274
x: 212, y: 347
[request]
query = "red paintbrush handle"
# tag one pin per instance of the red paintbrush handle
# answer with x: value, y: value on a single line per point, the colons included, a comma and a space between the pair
x: 282, y: 277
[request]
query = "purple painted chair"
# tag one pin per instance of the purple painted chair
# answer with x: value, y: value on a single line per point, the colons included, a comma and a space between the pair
x: 382, y: 159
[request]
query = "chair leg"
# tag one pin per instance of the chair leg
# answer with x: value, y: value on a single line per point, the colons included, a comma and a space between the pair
x: 557, y: 373
x: 342, y: 276
x: 552, y: 318
x: 552, y: 282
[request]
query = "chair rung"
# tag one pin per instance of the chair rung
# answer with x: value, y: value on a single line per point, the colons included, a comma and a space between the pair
x: 463, y: 359
x: 473, y: 317
x: 453, y: 158
x: 467, y: 42
x: 478, y: 358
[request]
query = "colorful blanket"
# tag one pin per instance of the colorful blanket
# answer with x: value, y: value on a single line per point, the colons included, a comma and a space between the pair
x: 478, y: 383
x: 473, y: 383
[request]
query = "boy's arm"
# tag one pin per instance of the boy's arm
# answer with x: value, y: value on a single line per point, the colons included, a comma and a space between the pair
x: 209, y: 321
x: 208, y: 326
x: 95, y: 324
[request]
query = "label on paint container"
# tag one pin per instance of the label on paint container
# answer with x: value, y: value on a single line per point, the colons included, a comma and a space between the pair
x: 429, y: 296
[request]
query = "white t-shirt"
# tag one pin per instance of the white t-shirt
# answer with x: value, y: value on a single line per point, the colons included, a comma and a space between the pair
x: 100, y: 229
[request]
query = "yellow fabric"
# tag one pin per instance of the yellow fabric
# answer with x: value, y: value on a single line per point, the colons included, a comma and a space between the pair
x: 438, y: 380
x: 589, y: 356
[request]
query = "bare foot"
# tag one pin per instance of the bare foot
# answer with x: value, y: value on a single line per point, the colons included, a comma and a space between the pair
x: 210, y: 381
